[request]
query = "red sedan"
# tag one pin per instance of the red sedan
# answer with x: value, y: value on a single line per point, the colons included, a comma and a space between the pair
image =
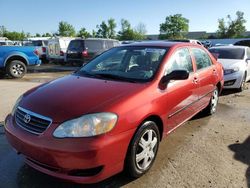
x: 112, y: 113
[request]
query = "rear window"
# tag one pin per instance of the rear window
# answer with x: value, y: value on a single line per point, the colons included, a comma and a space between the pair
x: 76, y: 45
x: 229, y: 53
x: 37, y: 43
x: 243, y: 43
x: 94, y: 45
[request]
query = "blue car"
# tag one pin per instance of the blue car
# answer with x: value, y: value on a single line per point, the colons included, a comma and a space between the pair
x: 15, y: 59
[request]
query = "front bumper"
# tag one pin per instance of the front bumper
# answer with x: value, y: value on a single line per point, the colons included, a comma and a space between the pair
x: 80, y: 160
x: 233, y: 81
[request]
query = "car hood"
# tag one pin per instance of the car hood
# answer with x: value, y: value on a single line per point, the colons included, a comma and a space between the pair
x: 72, y: 96
x: 231, y: 63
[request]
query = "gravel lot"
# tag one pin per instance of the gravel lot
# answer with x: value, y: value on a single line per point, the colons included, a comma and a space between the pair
x: 204, y: 152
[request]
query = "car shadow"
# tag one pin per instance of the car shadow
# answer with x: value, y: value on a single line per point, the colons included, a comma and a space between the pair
x: 29, y: 177
x: 242, y: 154
x: 226, y: 92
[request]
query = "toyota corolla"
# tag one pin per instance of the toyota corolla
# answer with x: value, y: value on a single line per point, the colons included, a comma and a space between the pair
x: 112, y: 113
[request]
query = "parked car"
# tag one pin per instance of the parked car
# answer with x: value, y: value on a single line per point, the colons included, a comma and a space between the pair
x: 245, y: 42
x: 193, y: 41
x: 207, y: 43
x: 57, y: 48
x: 6, y: 43
x: 236, y: 63
x: 15, y: 59
x: 81, y: 51
x: 41, y: 46
x: 113, y: 112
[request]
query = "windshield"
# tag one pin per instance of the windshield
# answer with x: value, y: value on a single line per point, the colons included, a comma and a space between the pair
x: 135, y: 64
x: 228, y: 53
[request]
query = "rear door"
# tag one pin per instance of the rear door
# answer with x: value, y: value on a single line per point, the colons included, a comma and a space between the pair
x: 180, y: 95
x: 75, y: 49
x: 205, y: 75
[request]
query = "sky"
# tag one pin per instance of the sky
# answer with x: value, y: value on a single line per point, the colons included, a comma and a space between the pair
x: 44, y: 15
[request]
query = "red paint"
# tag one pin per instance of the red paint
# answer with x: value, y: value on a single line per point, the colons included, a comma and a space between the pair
x: 72, y: 96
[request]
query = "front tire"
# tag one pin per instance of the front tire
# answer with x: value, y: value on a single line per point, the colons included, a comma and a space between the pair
x: 243, y: 82
x: 143, y: 149
x: 212, y: 106
x: 16, y: 69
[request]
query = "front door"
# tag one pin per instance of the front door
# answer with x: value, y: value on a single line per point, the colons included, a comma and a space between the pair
x: 180, y: 95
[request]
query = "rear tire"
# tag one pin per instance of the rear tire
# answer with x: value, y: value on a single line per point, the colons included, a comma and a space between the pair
x: 16, y: 69
x: 212, y: 106
x: 143, y: 149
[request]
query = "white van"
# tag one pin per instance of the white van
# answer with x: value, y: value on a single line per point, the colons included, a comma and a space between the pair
x: 57, y: 48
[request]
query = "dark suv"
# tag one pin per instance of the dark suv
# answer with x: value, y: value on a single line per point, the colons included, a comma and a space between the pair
x: 81, y: 51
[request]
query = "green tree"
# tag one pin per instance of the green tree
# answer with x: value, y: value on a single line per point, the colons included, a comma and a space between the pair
x: 94, y: 34
x: 15, y: 35
x: 46, y: 35
x: 111, y: 28
x: 174, y: 27
x: 38, y: 35
x: 66, y: 30
x: 106, y: 30
x: 3, y: 30
x: 140, y: 32
x: 102, y: 30
x: 83, y: 33
x: 233, y: 28
x: 128, y: 33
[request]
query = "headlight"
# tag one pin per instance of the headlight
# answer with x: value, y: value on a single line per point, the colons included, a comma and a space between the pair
x: 230, y: 71
x: 87, y: 125
x: 16, y: 105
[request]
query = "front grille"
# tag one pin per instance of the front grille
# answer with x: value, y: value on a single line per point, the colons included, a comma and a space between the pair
x: 31, y: 122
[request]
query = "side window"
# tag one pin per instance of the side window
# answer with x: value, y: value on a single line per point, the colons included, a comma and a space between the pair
x: 202, y: 59
x: 180, y: 60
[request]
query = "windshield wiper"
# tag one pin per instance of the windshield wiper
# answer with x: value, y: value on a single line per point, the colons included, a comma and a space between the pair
x: 114, y: 77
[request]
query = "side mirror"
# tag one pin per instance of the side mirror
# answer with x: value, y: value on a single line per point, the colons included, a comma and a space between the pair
x: 174, y: 75
x: 248, y: 60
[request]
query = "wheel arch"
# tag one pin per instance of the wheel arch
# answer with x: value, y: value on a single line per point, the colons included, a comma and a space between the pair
x: 15, y: 57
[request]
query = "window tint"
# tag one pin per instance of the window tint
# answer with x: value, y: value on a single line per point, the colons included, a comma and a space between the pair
x: 243, y: 43
x: 94, y: 45
x: 229, y: 53
x: 202, y: 59
x: 181, y: 60
x: 75, y: 45
x: 37, y: 43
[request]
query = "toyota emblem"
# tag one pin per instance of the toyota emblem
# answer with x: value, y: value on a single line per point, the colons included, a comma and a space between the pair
x: 27, y: 118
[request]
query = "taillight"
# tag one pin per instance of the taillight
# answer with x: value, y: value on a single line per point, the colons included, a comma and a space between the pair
x: 61, y: 53
x: 85, y: 53
x: 36, y: 52
x: 43, y: 49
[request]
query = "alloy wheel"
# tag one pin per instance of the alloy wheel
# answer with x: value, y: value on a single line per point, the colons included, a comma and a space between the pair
x: 146, y: 149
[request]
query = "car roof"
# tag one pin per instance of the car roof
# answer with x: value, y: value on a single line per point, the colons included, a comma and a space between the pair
x: 229, y: 47
x: 161, y: 44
